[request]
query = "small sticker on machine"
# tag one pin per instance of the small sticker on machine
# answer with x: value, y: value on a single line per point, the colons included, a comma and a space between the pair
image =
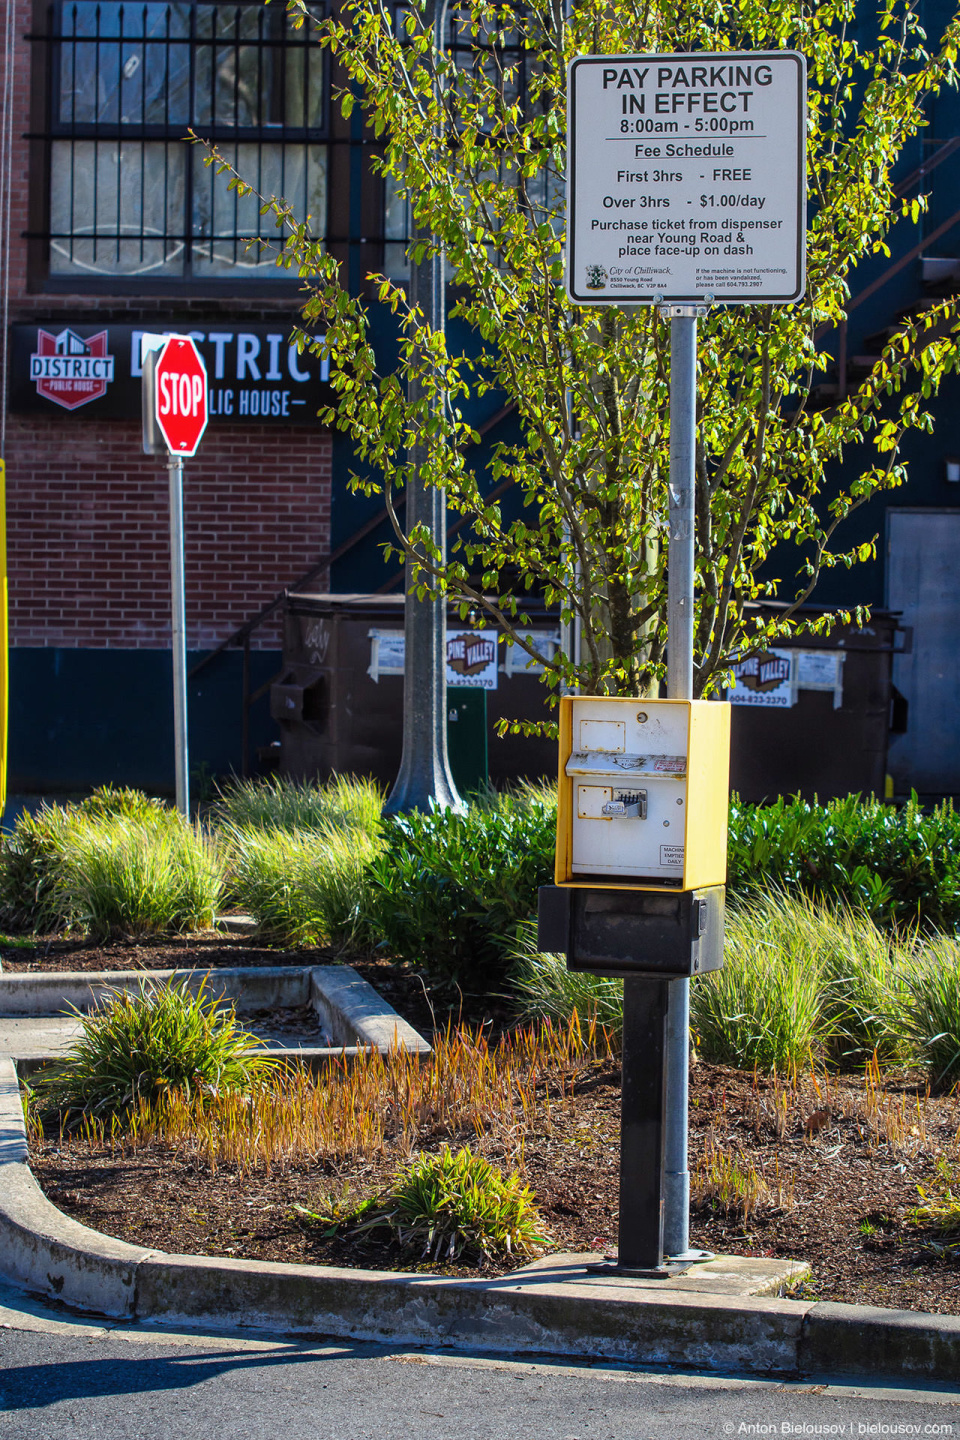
x: 671, y: 854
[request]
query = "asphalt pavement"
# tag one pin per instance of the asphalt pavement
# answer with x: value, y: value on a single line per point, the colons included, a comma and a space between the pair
x: 62, y: 1378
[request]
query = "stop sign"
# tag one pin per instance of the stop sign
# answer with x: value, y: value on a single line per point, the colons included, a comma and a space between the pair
x: 180, y: 395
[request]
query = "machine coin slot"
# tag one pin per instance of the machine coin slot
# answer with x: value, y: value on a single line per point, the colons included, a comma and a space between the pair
x: 628, y: 804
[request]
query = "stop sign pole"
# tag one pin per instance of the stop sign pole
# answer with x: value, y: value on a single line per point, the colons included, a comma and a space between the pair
x: 175, y: 413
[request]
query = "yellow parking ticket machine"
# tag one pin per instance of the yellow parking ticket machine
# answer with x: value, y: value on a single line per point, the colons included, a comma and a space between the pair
x: 641, y: 853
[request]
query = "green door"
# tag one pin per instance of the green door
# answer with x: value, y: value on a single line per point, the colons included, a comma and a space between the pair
x: 467, y: 737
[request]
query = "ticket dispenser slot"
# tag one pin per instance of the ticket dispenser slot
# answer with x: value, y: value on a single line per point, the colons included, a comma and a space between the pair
x: 643, y: 792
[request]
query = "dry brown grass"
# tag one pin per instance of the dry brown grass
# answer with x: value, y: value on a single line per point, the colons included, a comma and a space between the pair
x: 736, y: 1187
x: 359, y: 1107
x: 898, y: 1121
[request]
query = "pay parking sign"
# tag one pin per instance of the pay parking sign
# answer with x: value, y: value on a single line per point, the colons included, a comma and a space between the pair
x: 686, y: 178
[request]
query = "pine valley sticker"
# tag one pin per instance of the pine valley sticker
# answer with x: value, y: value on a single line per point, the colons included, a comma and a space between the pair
x: 472, y: 658
x: 71, y: 371
x: 765, y: 680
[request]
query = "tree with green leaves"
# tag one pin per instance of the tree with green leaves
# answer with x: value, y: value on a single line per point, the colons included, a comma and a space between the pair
x: 472, y: 137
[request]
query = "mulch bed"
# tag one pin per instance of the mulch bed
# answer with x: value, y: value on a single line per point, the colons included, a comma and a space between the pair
x: 841, y: 1162
x: 34, y: 955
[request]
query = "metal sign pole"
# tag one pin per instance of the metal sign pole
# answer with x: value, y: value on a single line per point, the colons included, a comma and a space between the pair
x: 179, y: 614
x: 734, y: 156
x: 680, y: 576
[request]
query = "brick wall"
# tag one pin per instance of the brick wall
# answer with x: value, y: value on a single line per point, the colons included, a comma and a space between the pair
x: 89, y: 555
x: 87, y: 511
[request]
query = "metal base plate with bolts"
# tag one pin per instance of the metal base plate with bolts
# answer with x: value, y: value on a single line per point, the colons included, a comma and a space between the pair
x: 667, y: 1271
x: 671, y: 1266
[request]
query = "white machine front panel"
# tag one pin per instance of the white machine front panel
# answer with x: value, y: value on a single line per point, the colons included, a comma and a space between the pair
x: 641, y: 745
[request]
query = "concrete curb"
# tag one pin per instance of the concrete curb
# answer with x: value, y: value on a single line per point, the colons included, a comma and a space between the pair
x: 350, y: 1011
x: 519, y: 1314
x: 554, y: 1307
x: 865, y: 1340
x: 259, y: 987
x: 44, y: 1249
x: 354, y: 1013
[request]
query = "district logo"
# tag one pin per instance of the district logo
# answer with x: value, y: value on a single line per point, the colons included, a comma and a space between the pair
x: 70, y: 371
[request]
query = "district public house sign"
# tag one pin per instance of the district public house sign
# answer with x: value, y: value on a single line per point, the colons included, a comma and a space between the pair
x: 686, y: 178
x: 255, y: 375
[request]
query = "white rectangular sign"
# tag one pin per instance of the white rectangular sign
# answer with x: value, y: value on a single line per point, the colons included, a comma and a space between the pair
x: 686, y: 178
x: 765, y: 680
x: 472, y: 658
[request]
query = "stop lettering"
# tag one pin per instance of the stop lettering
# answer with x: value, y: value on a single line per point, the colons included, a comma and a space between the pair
x: 181, y: 395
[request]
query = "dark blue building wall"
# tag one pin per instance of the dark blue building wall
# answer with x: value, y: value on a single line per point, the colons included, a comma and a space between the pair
x: 81, y: 718
x: 903, y: 288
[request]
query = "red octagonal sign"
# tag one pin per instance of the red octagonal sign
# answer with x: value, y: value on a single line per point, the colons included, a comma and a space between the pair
x: 181, y: 395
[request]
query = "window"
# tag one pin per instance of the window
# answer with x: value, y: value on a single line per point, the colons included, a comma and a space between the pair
x: 128, y: 196
x: 490, y: 47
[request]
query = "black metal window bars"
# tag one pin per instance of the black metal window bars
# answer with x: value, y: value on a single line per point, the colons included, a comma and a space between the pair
x: 128, y: 196
x: 497, y: 49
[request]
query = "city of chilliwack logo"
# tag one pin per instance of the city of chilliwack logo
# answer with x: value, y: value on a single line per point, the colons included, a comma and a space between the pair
x: 71, y: 371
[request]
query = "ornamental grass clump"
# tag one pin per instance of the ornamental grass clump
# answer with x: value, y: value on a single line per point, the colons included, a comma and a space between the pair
x: 364, y: 1106
x: 119, y: 862
x: 730, y: 1183
x: 137, y: 876
x: 115, y: 802
x: 450, y: 1207
x: 763, y: 1007
x: 863, y: 974
x: 279, y: 803
x: 30, y: 860
x: 543, y: 986
x: 304, y: 888
x: 939, y: 1209
x: 145, y: 1045
x: 931, y: 1012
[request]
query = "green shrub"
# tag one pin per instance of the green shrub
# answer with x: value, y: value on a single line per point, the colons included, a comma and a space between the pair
x: 304, y: 889
x: 135, y: 878
x: 30, y: 859
x: 543, y: 986
x: 898, y: 865
x: 449, y: 891
x: 111, y: 802
x: 763, y: 1007
x: 931, y: 1016
x: 862, y: 984
x: 279, y: 803
x: 136, y: 1046
x: 455, y: 1207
